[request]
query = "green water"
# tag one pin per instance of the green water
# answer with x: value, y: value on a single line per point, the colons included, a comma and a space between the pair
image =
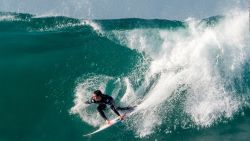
x: 43, y: 60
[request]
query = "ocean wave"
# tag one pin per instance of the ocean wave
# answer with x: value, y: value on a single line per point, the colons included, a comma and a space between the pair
x: 195, y: 66
x: 190, y: 74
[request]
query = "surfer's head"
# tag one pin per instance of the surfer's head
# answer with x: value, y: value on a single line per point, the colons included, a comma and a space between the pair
x: 97, y: 95
x: 97, y: 92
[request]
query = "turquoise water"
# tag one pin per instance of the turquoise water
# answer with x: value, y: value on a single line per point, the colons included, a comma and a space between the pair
x: 190, y: 80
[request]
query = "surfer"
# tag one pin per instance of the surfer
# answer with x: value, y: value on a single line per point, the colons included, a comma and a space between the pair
x: 103, y: 100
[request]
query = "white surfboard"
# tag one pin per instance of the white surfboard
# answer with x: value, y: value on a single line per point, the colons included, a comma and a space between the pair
x: 113, y: 122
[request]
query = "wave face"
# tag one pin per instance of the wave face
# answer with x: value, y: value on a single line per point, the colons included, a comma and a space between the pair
x: 187, y: 78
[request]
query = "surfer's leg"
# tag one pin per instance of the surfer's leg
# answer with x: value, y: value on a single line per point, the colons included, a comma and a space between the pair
x: 114, y: 109
x: 112, y: 106
x: 125, y: 108
x: 122, y: 108
x: 100, y: 109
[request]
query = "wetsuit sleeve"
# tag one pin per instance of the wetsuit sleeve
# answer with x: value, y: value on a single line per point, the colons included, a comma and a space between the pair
x: 100, y: 109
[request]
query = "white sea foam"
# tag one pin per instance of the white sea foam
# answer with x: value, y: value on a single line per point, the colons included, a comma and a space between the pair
x: 7, y: 18
x: 204, y: 59
x: 83, y: 93
x: 92, y: 24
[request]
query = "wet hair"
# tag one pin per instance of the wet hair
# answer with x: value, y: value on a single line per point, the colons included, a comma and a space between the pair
x: 98, y: 92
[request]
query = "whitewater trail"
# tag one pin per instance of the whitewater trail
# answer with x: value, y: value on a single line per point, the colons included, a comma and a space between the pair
x: 194, y: 66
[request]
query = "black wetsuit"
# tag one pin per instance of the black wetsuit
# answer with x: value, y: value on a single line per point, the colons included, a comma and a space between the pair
x: 106, y: 100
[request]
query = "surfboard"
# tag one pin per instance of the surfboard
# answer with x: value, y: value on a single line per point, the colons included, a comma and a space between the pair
x: 106, y: 126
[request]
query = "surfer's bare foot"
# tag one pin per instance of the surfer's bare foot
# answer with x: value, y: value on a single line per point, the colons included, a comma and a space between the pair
x: 108, y: 121
x: 121, y: 117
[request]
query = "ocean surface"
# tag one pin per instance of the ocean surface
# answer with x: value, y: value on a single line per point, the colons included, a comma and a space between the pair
x: 189, y: 79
